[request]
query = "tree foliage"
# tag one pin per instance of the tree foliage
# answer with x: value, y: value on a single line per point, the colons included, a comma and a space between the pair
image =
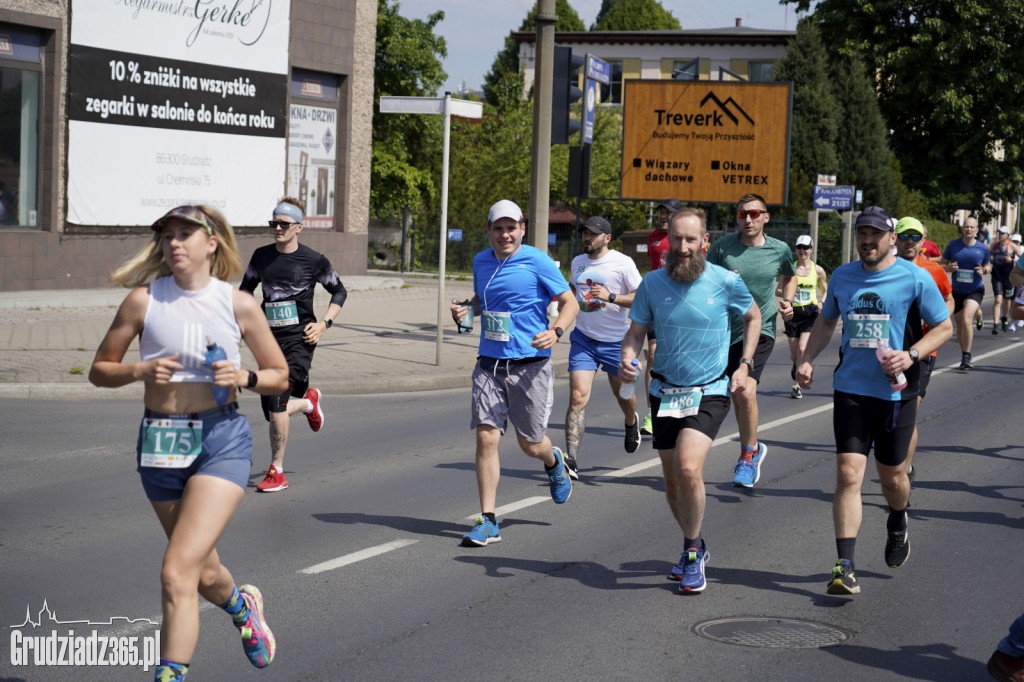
x: 507, y: 60
x: 634, y: 15
x: 865, y: 160
x: 948, y: 77
x: 815, y: 124
x: 406, y: 147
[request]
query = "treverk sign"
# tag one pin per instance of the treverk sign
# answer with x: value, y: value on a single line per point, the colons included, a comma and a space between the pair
x: 706, y: 140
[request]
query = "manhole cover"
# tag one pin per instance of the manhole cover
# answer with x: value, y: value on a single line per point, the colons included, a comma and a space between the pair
x: 773, y: 633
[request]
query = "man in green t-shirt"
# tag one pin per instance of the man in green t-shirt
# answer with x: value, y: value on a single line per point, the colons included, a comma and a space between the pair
x: 762, y: 262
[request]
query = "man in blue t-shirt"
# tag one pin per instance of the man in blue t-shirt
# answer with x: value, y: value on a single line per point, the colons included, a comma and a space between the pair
x: 690, y: 304
x: 512, y: 381
x: 966, y: 259
x: 883, y: 300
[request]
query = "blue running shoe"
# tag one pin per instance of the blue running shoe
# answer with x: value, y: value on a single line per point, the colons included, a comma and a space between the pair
x: 762, y: 451
x: 692, y: 580
x: 677, y: 571
x: 743, y: 474
x: 483, y: 533
x: 257, y: 639
x: 561, y: 484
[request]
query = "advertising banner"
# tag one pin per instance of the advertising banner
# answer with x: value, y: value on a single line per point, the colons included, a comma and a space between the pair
x: 175, y: 103
x: 706, y: 141
x: 312, y: 151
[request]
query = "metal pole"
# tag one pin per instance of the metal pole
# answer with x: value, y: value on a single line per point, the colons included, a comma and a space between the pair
x: 540, y: 166
x: 442, y: 251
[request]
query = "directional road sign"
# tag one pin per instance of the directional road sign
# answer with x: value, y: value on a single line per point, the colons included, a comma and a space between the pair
x: 837, y: 198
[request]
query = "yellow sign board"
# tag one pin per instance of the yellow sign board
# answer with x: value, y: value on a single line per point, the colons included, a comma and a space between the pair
x: 706, y: 141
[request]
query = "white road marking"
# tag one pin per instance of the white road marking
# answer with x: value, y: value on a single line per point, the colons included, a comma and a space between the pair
x: 358, y: 556
x: 627, y: 471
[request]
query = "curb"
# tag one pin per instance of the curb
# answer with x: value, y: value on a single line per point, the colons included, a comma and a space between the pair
x: 53, y: 391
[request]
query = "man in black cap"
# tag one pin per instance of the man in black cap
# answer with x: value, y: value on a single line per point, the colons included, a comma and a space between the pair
x: 604, y: 282
x: 882, y: 300
x: 657, y: 249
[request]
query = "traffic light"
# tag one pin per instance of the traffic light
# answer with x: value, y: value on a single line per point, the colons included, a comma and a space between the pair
x: 564, y: 91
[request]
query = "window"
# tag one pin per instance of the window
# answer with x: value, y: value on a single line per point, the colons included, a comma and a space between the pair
x: 615, y: 82
x: 762, y: 72
x: 688, y: 70
x: 20, y: 90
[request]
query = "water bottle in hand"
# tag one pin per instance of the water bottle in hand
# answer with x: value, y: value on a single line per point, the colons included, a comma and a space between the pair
x: 626, y: 391
x: 213, y: 354
x: 897, y: 381
x: 466, y: 326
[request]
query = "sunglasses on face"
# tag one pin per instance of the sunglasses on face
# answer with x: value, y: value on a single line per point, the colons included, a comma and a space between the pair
x: 754, y: 214
x: 283, y: 224
x: 802, y: 247
x: 906, y: 236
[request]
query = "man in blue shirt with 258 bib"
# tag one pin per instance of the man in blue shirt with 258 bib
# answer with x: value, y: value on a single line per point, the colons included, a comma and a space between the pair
x: 881, y: 298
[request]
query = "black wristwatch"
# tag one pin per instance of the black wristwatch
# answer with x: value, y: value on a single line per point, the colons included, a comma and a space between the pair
x: 558, y: 331
x: 329, y: 322
x: 611, y: 298
x: 914, y: 355
x: 253, y: 378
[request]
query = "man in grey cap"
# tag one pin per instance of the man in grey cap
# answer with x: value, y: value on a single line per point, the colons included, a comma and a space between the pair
x: 882, y: 300
x: 604, y: 282
x: 513, y: 283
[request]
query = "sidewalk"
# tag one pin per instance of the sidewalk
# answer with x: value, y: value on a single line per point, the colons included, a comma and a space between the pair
x: 384, y: 341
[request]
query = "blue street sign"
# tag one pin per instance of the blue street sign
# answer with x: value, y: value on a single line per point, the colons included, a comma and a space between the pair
x: 589, y: 102
x: 454, y: 235
x: 551, y: 239
x: 837, y: 198
x: 598, y: 70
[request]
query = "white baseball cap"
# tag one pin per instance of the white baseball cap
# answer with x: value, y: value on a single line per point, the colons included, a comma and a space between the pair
x: 505, y: 209
x: 804, y: 240
x: 1015, y: 237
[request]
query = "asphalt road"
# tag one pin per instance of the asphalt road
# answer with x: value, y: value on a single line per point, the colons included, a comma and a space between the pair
x: 364, y: 579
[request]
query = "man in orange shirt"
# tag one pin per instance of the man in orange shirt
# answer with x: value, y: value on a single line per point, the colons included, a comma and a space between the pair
x: 909, y: 240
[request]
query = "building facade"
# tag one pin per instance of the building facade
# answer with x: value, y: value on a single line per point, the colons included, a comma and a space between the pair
x: 733, y: 53
x: 113, y: 113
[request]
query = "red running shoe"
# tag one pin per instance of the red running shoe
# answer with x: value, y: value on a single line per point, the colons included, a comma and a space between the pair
x: 273, y: 481
x: 316, y: 416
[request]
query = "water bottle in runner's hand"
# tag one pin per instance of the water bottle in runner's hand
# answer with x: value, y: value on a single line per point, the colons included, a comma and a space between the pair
x: 213, y: 354
x: 626, y: 391
x: 897, y: 381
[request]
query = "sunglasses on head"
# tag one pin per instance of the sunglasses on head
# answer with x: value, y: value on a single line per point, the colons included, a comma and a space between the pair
x: 754, y: 213
x: 906, y: 236
x: 283, y: 224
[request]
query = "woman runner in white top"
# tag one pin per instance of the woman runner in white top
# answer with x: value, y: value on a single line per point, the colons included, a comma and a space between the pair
x: 194, y: 474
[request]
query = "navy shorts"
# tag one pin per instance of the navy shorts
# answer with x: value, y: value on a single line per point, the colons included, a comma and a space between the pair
x: 226, y: 453
x: 587, y: 353
x: 765, y: 345
x: 861, y: 421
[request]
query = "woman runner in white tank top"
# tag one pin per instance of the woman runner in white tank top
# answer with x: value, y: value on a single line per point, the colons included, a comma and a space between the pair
x: 194, y: 475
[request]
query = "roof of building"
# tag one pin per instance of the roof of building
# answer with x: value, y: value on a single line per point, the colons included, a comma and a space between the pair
x: 727, y: 35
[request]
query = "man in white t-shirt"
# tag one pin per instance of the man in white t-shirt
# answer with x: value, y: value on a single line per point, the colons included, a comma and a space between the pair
x: 604, y: 282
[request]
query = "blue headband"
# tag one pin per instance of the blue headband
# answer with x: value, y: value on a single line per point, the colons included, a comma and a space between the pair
x: 290, y: 210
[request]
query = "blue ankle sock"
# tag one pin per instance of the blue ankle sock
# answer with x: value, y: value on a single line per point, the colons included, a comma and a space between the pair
x: 237, y: 608
x: 169, y: 671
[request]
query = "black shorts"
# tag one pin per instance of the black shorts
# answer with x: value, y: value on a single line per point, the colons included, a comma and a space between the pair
x: 958, y: 299
x: 1001, y: 282
x: 299, y: 356
x: 860, y: 422
x: 927, y: 365
x: 765, y: 345
x: 802, y: 321
x: 709, y: 418
x: 650, y: 334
